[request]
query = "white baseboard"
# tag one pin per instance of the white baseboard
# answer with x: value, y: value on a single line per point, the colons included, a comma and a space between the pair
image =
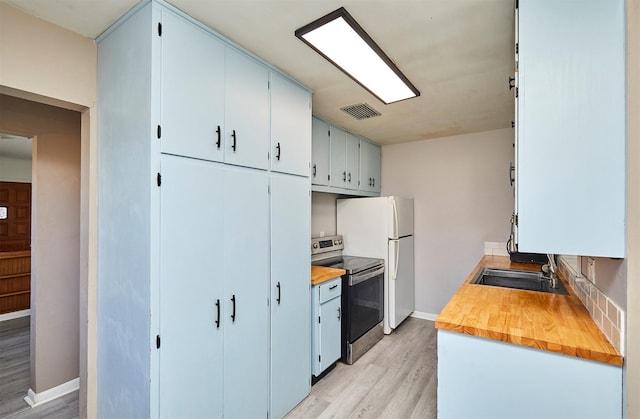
x: 15, y: 315
x: 424, y: 316
x: 34, y: 399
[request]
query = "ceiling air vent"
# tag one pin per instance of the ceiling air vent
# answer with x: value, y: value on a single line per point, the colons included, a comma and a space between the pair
x: 361, y: 111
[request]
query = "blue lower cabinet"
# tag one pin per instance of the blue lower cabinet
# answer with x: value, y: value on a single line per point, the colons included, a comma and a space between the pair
x: 326, y: 324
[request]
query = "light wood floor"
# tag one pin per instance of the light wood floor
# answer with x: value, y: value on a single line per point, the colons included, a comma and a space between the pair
x: 396, y: 378
x: 14, y: 378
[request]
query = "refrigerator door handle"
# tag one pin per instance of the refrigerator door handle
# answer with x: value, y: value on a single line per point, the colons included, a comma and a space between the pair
x: 396, y: 258
x: 396, y: 233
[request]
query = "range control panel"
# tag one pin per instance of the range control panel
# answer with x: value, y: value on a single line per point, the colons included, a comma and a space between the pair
x: 326, y: 244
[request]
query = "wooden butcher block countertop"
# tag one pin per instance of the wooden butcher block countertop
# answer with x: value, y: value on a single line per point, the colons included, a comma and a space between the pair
x: 320, y: 274
x: 557, y: 323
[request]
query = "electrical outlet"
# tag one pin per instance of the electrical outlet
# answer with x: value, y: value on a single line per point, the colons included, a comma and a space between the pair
x: 591, y: 270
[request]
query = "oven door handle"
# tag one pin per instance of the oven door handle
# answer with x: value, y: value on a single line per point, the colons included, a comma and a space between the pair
x: 356, y: 279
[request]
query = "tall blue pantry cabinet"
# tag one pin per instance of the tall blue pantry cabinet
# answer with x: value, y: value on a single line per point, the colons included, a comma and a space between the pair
x: 204, y: 224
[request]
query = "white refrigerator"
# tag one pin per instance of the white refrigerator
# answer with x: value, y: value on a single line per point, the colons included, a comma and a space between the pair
x: 383, y: 228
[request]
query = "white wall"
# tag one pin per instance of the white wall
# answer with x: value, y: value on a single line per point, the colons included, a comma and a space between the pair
x: 45, y: 63
x: 15, y: 170
x: 323, y: 214
x: 462, y: 199
x: 47, y: 60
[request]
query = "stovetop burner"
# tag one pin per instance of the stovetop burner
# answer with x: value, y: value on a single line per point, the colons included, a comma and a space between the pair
x: 327, y: 251
x: 351, y: 264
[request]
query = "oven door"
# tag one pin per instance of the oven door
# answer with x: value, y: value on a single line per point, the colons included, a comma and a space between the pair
x: 365, y: 302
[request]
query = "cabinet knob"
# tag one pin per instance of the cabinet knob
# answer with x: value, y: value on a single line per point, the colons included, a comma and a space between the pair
x: 512, y: 82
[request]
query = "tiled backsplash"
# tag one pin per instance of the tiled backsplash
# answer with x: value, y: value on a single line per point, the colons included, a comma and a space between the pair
x: 495, y: 248
x: 607, y: 315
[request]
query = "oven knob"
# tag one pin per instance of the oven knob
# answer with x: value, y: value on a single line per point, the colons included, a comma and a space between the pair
x: 338, y: 241
x: 315, y: 245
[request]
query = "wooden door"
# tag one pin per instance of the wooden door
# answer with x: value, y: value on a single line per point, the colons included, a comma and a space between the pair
x: 15, y: 216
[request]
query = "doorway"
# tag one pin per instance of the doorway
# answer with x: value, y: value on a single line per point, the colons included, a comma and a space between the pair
x: 54, y: 341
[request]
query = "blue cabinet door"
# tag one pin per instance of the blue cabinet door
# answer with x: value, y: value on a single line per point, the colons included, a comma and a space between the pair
x: 290, y: 292
x: 571, y: 128
x: 353, y: 161
x: 290, y: 127
x: 246, y: 111
x: 246, y: 291
x: 191, y: 288
x: 330, y: 329
x: 338, y: 163
x: 192, y: 90
x: 320, y: 152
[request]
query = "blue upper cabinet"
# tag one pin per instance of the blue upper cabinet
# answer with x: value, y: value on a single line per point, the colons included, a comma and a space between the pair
x: 290, y: 126
x: 338, y: 141
x: 192, y: 90
x: 352, y: 167
x: 571, y: 127
x: 246, y: 133
x: 320, y: 152
x: 342, y: 162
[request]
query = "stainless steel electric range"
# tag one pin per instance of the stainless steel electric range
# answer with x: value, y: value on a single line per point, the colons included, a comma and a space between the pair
x: 362, y: 295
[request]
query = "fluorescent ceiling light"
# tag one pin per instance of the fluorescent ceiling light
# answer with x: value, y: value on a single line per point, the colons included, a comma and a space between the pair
x: 339, y: 39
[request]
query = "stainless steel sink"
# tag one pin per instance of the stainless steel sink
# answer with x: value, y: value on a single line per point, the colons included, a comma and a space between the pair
x: 516, y: 279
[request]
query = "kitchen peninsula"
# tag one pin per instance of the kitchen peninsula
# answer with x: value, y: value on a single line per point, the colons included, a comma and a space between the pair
x: 502, y: 351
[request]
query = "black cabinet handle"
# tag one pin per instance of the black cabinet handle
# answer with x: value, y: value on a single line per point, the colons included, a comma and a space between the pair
x: 512, y: 170
x: 219, y: 137
x: 314, y: 170
x: 333, y: 287
x: 344, y: 176
x: 512, y: 83
x: 370, y: 182
x: 339, y: 313
x: 279, y: 290
x: 218, y: 315
x: 373, y: 180
x: 278, y: 152
x: 349, y: 177
x: 233, y: 145
x: 233, y: 312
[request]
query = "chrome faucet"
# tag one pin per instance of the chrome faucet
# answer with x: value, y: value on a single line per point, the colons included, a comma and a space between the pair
x: 551, y: 269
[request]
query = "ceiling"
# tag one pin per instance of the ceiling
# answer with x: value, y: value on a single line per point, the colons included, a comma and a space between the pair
x: 14, y: 147
x: 458, y: 53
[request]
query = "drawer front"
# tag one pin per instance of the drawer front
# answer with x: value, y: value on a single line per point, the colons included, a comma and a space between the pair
x: 330, y: 289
